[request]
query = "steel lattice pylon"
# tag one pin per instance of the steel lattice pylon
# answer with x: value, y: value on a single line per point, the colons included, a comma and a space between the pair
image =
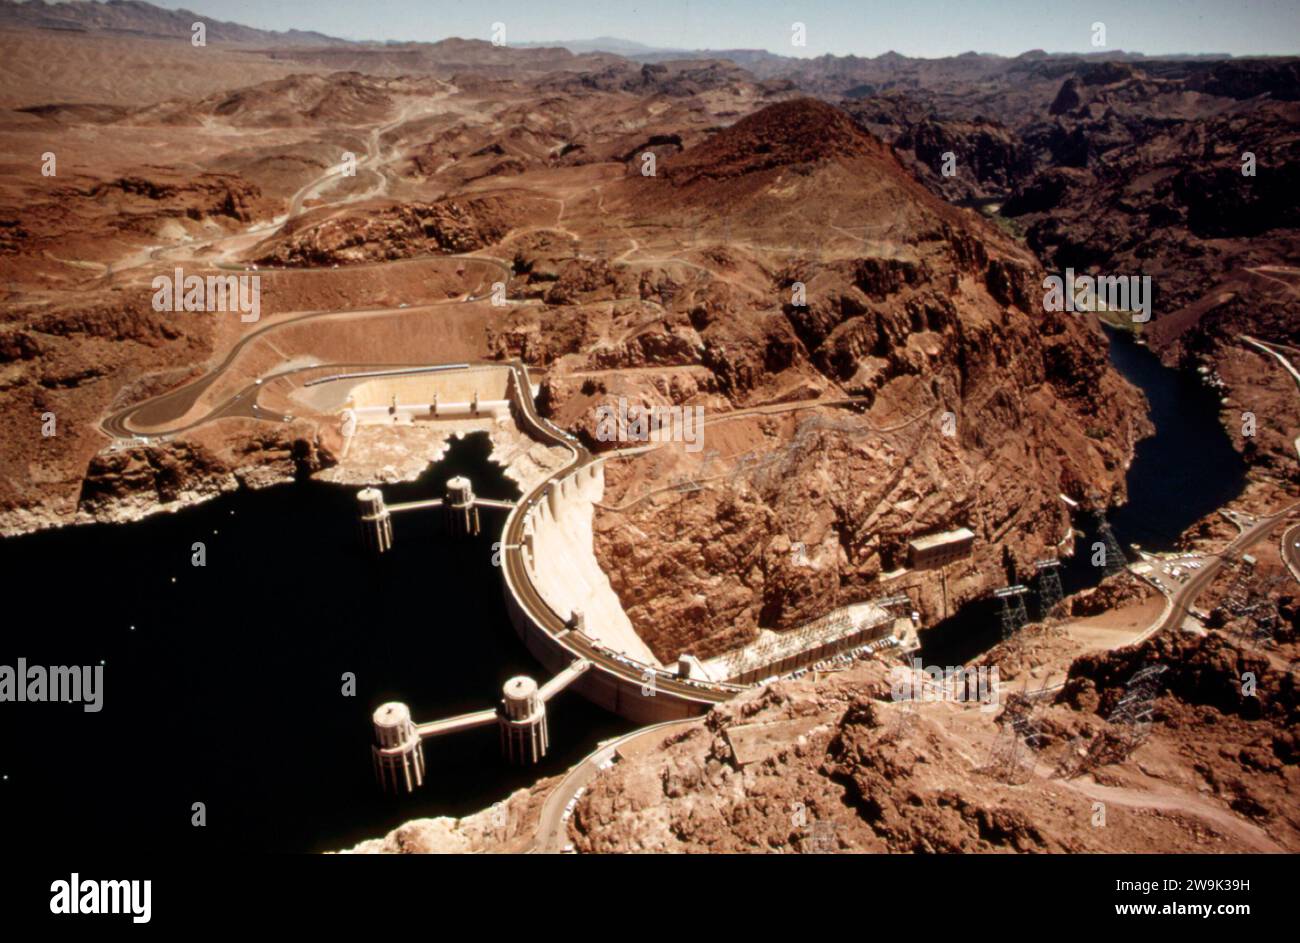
x: 1130, y: 721
x: 1134, y: 708
x: 1012, y: 755
x: 1050, y: 592
x: 1114, y: 560
x: 1253, y: 598
x: 1014, y: 614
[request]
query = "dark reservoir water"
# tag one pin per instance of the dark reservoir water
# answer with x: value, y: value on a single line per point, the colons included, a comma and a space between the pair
x: 1180, y: 474
x: 223, y: 684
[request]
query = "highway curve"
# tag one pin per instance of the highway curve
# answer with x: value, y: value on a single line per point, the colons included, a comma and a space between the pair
x: 550, y: 836
x: 1182, y: 601
x: 1291, y: 552
x: 169, y: 406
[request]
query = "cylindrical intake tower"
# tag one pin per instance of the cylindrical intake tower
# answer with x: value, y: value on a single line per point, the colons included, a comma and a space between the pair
x: 462, y: 514
x: 398, y: 752
x: 376, y: 522
x: 522, y: 718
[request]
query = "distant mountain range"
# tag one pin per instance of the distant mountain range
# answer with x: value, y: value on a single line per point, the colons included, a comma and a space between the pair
x: 144, y: 19
x: 627, y: 48
x: 640, y: 52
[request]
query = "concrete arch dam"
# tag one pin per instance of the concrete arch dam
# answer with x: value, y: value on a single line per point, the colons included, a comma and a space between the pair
x: 560, y: 600
x: 564, y: 609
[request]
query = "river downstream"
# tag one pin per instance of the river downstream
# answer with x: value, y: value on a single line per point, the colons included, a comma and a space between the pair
x: 1186, y: 470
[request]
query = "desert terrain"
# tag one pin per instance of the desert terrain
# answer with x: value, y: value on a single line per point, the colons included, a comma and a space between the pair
x: 769, y: 241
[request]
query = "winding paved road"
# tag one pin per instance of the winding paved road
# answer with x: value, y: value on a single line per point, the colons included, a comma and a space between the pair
x: 170, y: 406
x: 1291, y: 550
x: 1180, y: 602
x: 552, y: 825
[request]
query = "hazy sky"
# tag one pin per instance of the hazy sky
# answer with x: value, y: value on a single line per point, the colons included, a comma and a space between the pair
x: 864, y: 27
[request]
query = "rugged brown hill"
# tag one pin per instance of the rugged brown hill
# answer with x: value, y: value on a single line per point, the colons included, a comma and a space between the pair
x: 448, y: 58
x: 675, y: 79
x: 367, y: 233
x: 802, y: 262
x: 801, y: 131
x: 343, y: 98
x: 1146, y: 177
x: 837, y: 765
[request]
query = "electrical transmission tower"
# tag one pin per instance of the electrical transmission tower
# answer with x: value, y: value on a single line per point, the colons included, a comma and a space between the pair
x: 1011, y: 757
x: 1253, y: 598
x: 904, y: 721
x: 1133, y: 712
x: 1134, y: 708
x: 1050, y: 592
x: 1130, y: 723
x: 1006, y: 759
x: 1113, y: 560
x: 1014, y: 615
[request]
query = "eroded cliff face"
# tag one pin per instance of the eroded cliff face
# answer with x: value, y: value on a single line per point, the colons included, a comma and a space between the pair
x: 508, y: 827
x: 964, y: 403
x: 805, y: 510
x: 129, y: 483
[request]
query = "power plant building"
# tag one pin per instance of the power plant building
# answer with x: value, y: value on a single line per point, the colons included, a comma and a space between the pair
x: 934, y: 550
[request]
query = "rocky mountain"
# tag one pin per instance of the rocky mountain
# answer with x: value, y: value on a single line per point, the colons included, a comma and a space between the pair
x: 138, y: 18
x: 340, y: 98
x: 450, y: 226
x: 447, y: 58
x: 923, y: 312
x: 678, y: 79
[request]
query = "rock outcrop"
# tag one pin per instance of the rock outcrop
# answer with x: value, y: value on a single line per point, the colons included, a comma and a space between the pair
x: 971, y: 406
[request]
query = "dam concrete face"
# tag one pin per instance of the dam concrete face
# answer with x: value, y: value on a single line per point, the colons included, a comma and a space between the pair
x: 560, y: 561
x: 565, y: 570
x: 563, y: 607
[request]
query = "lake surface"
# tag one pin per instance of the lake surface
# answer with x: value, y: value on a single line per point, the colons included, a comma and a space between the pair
x: 223, y: 684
